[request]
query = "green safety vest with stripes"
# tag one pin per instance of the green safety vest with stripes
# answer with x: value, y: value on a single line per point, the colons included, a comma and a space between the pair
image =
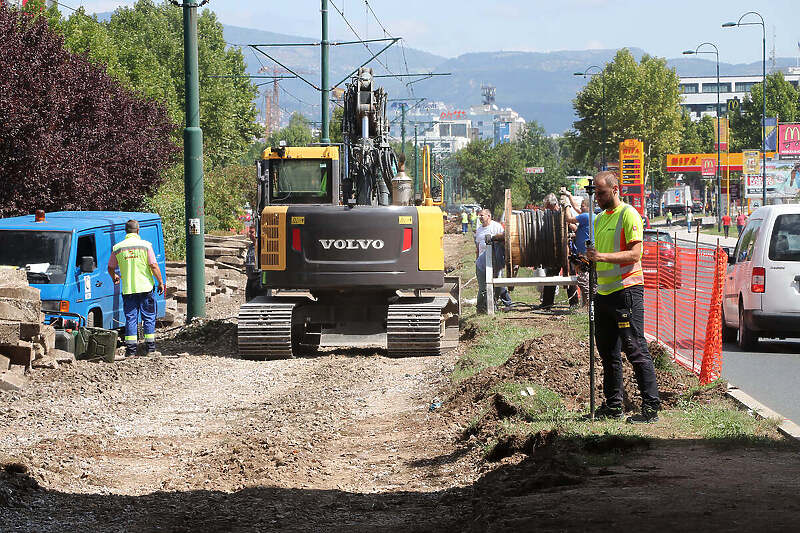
x: 609, y: 231
x: 134, y: 268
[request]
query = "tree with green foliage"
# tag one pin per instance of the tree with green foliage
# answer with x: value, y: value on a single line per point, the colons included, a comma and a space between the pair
x: 488, y: 171
x: 296, y: 133
x: 536, y: 149
x: 71, y: 137
x: 641, y: 102
x: 697, y: 137
x: 783, y: 101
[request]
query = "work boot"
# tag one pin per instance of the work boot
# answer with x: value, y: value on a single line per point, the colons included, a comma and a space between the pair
x: 610, y: 413
x: 647, y: 416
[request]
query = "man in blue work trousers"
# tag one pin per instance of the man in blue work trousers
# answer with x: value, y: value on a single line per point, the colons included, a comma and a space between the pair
x: 137, y: 267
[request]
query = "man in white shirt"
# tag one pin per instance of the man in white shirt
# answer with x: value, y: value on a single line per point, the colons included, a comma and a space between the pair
x: 495, y: 231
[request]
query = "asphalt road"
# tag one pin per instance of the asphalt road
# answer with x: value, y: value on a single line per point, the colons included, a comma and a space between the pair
x: 771, y: 375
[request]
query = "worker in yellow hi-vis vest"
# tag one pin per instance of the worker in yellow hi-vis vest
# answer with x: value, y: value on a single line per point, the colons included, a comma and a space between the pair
x: 137, y: 267
x: 619, y: 303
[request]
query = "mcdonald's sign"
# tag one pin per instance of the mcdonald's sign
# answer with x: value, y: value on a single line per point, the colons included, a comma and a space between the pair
x: 789, y: 139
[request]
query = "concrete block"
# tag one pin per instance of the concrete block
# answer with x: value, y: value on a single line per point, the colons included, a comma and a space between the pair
x: 61, y: 356
x: 48, y: 334
x: 13, y: 277
x: 11, y: 313
x: 9, y: 332
x: 26, y: 310
x: 11, y: 382
x: 45, y: 362
x: 5, y: 362
x: 231, y: 260
x: 29, y: 330
x: 20, y: 354
x: 22, y: 293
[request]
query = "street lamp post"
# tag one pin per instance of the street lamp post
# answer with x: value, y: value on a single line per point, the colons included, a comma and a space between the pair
x: 719, y: 185
x: 602, y: 105
x: 763, y: 95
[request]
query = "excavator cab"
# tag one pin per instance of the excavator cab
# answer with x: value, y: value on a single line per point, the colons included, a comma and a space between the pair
x: 299, y: 175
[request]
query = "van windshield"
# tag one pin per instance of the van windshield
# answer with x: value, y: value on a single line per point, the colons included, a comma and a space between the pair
x: 785, y: 242
x: 43, y: 253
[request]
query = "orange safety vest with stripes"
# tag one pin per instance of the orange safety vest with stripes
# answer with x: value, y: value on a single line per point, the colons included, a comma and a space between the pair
x: 613, y: 230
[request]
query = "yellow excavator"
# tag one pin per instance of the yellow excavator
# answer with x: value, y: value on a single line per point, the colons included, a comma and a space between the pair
x: 346, y: 259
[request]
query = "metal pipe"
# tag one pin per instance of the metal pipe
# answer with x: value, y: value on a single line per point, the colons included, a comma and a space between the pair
x: 325, y: 136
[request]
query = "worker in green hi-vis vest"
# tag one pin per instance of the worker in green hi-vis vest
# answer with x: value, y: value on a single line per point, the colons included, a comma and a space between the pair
x: 137, y: 265
x: 619, y: 303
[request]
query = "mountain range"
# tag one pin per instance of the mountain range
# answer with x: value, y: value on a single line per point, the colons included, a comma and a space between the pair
x: 539, y: 86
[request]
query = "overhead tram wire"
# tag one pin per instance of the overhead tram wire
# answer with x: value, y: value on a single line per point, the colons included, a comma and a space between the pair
x: 402, y: 44
x: 362, y: 40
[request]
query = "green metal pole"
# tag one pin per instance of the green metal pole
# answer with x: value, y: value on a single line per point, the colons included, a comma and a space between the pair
x: 416, y: 161
x: 325, y: 45
x: 403, y: 127
x: 193, y: 171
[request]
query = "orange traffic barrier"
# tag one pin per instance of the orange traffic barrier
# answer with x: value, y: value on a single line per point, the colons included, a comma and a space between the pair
x: 683, y: 297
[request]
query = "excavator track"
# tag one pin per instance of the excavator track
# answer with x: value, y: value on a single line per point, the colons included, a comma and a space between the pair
x: 415, y: 328
x: 265, y: 329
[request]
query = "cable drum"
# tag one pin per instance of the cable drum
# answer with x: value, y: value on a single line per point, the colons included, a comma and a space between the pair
x: 537, y: 238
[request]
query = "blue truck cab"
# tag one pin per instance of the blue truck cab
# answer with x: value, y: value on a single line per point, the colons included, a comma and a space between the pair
x: 66, y: 255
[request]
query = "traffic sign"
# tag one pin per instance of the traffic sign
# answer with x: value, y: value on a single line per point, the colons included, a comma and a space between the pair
x: 534, y: 170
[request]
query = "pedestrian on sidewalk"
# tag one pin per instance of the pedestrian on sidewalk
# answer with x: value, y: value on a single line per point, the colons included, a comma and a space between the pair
x: 620, y: 302
x: 464, y: 221
x: 495, y: 232
x: 669, y: 219
x: 689, y: 219
x: 137, y: 267
x: 741, y: 220
x: 726, y: 224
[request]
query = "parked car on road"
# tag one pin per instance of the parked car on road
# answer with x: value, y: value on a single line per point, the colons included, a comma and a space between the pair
x: 660, y: 269
x: 761, y: 297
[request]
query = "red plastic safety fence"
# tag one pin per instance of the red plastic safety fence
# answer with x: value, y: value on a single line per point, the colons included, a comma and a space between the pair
x: 683, y: 299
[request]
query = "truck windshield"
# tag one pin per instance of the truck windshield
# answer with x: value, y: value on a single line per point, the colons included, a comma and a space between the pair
x: 300, y: 181
x: 43, y: 253
x: 785, y: 242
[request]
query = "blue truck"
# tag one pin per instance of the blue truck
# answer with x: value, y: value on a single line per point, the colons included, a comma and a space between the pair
x: 66, y: 257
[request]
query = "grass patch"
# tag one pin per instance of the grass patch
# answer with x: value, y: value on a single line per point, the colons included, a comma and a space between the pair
x: 531, y: 402
x: 662, y: 360
x: 495, y: 343
x: 720, y: 422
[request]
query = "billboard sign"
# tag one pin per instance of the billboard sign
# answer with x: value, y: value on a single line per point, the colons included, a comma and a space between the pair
x: 789, y: 140
x: 534, y: 170
x: 631, y: 163
x: 722, y: 141
x: 751, y: 161
x: 708, y: 167
x: 783, y: 180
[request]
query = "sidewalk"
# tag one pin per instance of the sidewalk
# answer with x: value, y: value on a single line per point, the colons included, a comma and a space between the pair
x: 679, y: 231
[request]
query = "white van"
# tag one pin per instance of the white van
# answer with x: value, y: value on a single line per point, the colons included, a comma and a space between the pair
x: 762, y: 285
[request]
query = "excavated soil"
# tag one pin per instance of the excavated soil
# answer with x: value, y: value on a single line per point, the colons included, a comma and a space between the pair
x: 201, y: 440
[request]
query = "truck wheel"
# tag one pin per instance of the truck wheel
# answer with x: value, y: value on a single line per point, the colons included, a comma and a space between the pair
x: 728, y: 333
x: 747, y: 338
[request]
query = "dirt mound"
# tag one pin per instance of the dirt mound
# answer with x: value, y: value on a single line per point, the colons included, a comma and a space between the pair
x: 212, y: 337
x: 562, y: 366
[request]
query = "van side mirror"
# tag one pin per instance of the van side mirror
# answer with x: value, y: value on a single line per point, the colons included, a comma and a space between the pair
x: 87, y: 263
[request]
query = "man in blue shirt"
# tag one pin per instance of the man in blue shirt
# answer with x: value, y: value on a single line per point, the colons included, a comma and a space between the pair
x: 581, y: 236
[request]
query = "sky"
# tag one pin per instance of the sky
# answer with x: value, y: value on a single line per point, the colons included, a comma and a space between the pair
x: 453, y: 27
